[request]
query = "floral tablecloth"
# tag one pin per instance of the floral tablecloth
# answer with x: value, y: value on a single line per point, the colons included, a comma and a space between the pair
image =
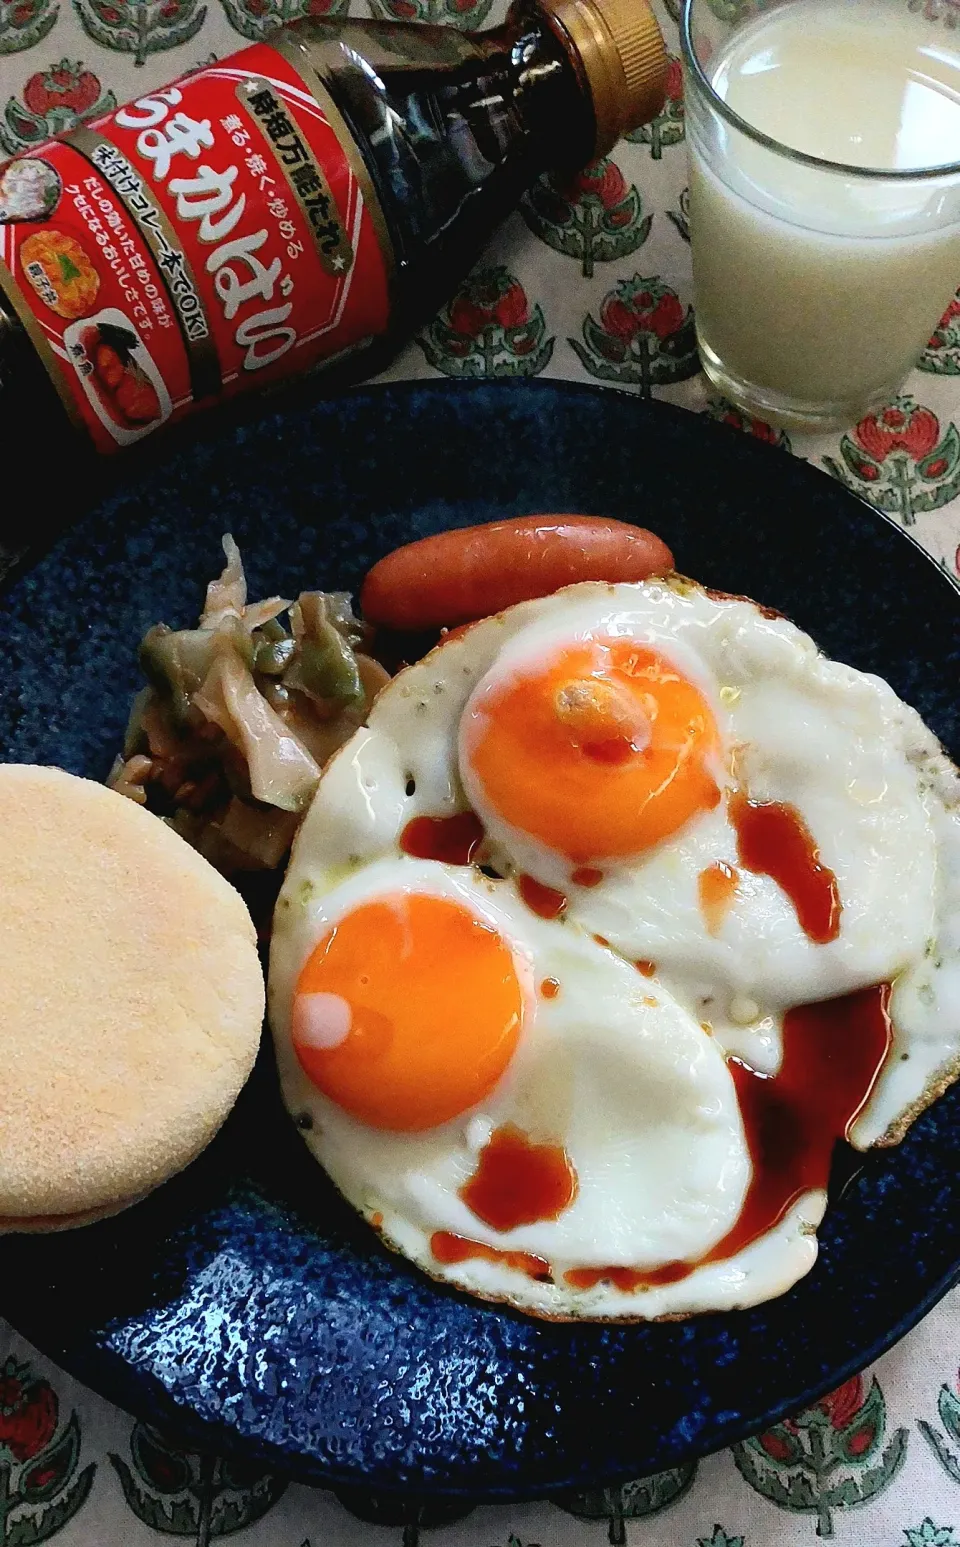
x: 591, y: 280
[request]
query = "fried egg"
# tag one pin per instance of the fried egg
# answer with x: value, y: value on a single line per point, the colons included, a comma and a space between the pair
x: 716, y: 928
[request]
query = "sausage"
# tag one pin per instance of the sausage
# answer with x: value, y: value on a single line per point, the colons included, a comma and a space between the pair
x: 465, y: 574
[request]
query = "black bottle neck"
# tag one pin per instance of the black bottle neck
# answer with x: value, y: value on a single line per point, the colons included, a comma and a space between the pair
x: 453, y: 127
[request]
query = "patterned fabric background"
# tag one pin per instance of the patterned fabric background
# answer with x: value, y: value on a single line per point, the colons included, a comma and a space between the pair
x: 590, y: 280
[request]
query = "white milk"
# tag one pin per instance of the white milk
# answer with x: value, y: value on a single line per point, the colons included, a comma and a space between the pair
x: 818, y: 288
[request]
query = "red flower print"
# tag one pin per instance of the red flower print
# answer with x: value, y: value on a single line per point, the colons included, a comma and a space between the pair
x: 840, y: 1405
x: 674, y: 87
x: 938, y: 339
x: 41, y: 1476
x: 491, y: 299
x: 604, y: 181
x: 29, y: 1412
x: 66, y: 85
x: 165, y: 1472
x: 776, y: 1447
x: 629, y: 312
x: 910, y: 428
x: 758, y: 428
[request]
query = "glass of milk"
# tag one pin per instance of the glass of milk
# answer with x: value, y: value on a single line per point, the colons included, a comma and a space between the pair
x: 824, y: 144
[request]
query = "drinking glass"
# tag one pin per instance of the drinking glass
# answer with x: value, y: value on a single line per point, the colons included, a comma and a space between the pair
x: 816, y: 284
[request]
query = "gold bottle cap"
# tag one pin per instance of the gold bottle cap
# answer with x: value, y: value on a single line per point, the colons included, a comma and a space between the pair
x: 620, y: 53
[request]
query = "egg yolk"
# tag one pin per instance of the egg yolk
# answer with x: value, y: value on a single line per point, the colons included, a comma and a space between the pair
x: 408, y: 1011
x: 600, y: 752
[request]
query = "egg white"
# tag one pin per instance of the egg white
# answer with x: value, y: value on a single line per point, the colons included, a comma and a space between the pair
x: 879, y: 796
x: 883, y: 805
x: 613, y: 1068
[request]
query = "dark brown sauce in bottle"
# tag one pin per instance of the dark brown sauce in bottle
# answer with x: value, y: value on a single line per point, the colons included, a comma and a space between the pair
x: 32, y: 415
x: 453, y: 127
x: 448, y: 129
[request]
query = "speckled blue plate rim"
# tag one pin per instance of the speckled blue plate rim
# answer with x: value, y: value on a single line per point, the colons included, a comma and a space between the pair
x: 211, y: 1438
x: 599, y: 1405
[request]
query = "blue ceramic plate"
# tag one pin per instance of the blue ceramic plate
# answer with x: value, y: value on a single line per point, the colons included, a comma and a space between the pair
x: 243, y: 1303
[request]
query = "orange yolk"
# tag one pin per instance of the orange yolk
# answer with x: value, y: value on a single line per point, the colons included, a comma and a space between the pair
x: 408, y: 1011
x: 600, y: 753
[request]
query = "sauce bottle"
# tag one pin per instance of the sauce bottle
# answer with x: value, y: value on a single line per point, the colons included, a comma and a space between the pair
x: 293, y: 205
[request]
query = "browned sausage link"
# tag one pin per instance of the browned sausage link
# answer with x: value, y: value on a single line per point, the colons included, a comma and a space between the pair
x: 458, y: 576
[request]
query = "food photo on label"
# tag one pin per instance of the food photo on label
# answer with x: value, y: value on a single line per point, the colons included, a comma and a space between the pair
x: 119, y: 374
x: 308, y: 201
x: 608, y: 921
x: 30, y: 189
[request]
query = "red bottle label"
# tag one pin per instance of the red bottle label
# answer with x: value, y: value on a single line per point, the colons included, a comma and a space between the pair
x: 212, y: 236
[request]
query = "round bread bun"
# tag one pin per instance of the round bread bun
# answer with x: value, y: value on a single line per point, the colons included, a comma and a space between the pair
x: 132, y: 1000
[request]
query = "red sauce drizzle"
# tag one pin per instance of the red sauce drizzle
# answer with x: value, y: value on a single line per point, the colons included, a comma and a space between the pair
x: 540, y: 899
x: 587, y: 876
x: 717, y: 889
x: 549, y: 988
x: 452, y: 839
x: 647, y: 968
x: 628, y: 1279
x: 517, y: 1182
x: 774, y: 840
x: 450, y: 1248
x: 832, y: 1057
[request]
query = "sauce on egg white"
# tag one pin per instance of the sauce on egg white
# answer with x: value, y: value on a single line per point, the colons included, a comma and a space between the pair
x: 717, y: 889
x: 628, y: 1280
x: 832, y: 1057
x: 518, y: 1182
x: 774, y: 840
x: 545, y: 901
x: 833, y: 1053
x: 449, y: 1248
x: 586, y: 875
x: 452, y: 840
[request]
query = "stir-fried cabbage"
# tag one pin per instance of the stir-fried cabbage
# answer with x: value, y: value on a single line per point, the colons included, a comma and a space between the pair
x: 228, y: 740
